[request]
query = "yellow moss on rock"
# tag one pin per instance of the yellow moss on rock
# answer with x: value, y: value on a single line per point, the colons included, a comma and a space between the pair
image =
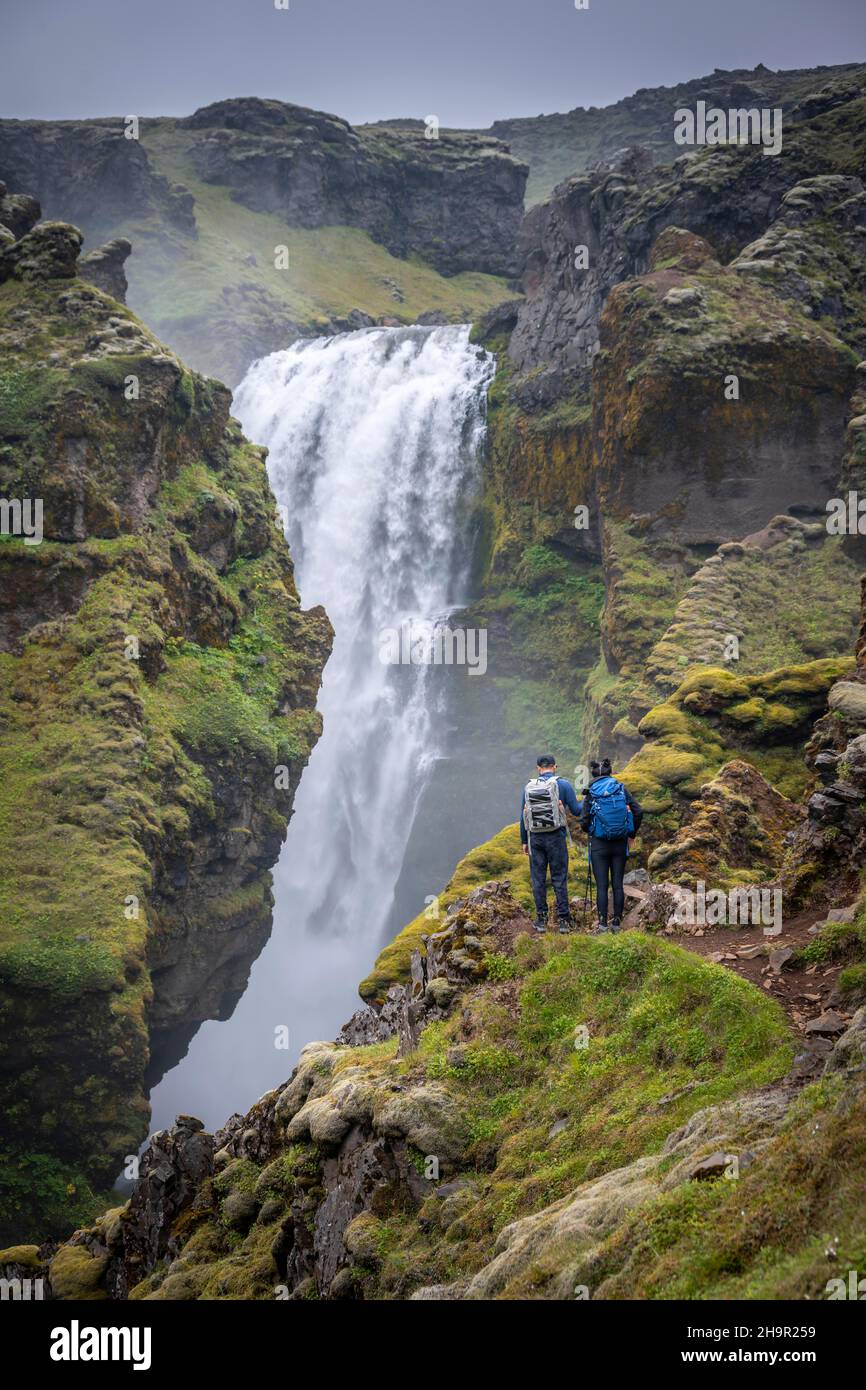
x: 27, y: 1256
x: 76, y: 1274
x: 715, y: 713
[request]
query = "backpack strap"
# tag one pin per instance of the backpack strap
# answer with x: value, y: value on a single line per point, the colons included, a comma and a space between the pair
x: 561, y: 805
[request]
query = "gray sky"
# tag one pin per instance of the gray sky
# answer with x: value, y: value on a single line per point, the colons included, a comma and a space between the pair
x: 466, y: 61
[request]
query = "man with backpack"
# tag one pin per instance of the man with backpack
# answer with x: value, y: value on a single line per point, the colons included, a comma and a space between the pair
x: 544, y: 837
x: 611, y: 817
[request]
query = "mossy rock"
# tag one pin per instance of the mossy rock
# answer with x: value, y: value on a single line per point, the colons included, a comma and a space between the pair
x: 76, y: 1275
x: 239, y: 1210
x: 715, y: 715
x: 363, y: 1238
x: 26, y: 1256
x: 112, y: 753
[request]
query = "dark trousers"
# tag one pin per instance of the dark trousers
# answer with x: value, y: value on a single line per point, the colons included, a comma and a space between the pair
x: 549, y: 850
x: 608, y: 859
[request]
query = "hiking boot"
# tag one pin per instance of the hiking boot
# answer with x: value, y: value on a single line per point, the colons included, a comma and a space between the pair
x: 600, y: 928
x: 566, y: 924
x: 614, y: 926
x: 540, y: 924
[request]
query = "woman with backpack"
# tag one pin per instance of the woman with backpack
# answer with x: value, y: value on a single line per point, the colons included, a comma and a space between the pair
x: 610, y: 816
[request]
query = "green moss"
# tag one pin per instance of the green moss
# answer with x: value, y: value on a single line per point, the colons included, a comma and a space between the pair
x: 852, y: 983
x: 500, y: 967
x: 108, y: 760
x: 27, y: 1256
x: 809, y: 586
x: 75, y: 1274
x: 25, y: 395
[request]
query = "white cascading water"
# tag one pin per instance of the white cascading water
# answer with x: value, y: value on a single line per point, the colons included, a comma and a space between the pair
x: 374, y: 441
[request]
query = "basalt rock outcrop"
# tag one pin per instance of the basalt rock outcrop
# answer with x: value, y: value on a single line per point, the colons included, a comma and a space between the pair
x: 18, y: 213
x: 97, y: 173
x: 737, y: 827
x: 456, y: 200
x: 445, y: 960
x: 729, y: 196
x: 156, y: 672
x: 103, y: 267
x: 832, y: 842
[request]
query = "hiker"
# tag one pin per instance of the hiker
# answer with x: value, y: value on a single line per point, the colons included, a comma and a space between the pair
x: 544, y: 837
x: 611, y: 816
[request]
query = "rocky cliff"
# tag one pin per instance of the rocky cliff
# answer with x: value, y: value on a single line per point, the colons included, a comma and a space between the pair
x: 571, y: 142
x: 155, y: 673
x: 686, y: 378
x: 455, y: 200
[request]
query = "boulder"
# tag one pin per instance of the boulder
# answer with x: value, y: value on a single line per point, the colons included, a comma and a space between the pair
x: 848, y: 698
x: 239, y: 1210
x: 103, y: 267
x: 18, y: 212
x: 315, y: 1065
x: 48, y: 252
x: 429, y: 1118
x: 828, y: 1023
x: 850, y: 1048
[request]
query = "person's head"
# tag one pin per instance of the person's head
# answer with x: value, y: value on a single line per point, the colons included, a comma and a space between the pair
x: 546, y: 763
x: 600, y: 768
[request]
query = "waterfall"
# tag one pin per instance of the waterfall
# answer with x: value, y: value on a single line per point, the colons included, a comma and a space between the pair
x: 373, y: 442
x: 374, y: 456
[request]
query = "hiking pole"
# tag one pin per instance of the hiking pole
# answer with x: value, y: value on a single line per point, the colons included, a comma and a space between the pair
x: 571, y: 846
x: 586, y: 891
x: 587, y: 886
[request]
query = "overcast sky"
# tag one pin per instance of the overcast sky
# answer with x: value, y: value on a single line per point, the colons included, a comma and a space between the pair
x: 466, y: 61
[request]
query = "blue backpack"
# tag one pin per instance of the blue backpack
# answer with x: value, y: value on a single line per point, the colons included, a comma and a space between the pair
x: 610, y: 816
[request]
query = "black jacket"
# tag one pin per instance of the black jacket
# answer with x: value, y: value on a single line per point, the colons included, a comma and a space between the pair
x: 633, y: 805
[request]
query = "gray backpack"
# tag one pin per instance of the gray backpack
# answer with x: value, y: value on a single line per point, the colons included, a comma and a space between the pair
x: 542, y: 808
